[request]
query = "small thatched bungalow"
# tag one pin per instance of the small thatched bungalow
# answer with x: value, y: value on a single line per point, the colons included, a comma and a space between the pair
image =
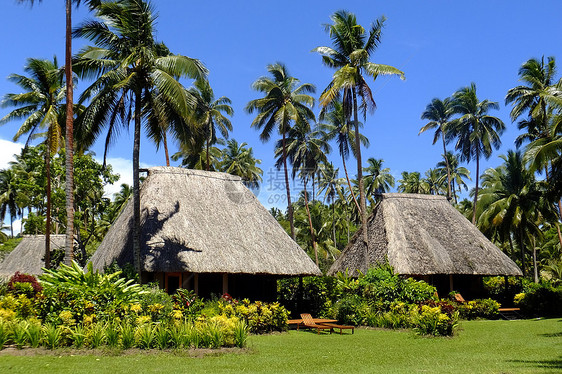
x: 207, y: 232
x: 28, y: 256
x: 424, y: 236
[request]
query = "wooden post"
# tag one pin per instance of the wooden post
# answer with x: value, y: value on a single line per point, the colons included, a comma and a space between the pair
x: 196, y: 283
x: 451, y: 288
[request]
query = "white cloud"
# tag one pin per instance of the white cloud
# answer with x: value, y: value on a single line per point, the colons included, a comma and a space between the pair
x: 7, y: 151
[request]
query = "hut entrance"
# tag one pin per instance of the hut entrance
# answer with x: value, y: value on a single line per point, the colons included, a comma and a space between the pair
x: 173, y: 282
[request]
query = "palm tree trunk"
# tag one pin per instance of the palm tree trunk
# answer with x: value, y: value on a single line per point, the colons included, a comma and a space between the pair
x: 208, y: 162
x: 448, y: 167
x: 289, y: 204
x: 69, y: 164
x: 559, y: 206
x: 476, y: 189
x: 535, y: 268
x: 136, y: 187
x: 522, y: 251
x: 48, y: 215
x: 310, y: 223
x: 363, y: 210
x: 165, y: 141
x: 334, y: 224
x: 349, y: 184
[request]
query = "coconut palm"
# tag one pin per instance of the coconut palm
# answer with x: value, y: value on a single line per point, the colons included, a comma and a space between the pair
x: 412, y: 182
x: 458, y: 173
x: 9, y: 196
x: 439, y: 113
x: 378, y: 180
x: 337, y: 126
x: 286, y: 102
x: 41, y: 107
x: 477, y: 133
x: 305, y: 150
x: 352, y: 49
x: 209, y: 113
x: 238, y: 159
x: 133, y: 81
x: 331, y: 185
x: 69, y: 125
x: 434, y: 181
x: 512, y: 203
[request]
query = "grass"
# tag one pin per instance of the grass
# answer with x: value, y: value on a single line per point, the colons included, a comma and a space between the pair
x: 530, y: 346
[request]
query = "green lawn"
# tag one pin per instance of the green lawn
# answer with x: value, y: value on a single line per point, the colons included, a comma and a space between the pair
x: 531, y: 346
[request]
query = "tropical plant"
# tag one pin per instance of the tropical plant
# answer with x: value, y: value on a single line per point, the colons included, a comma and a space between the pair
x: 476, y: 132
x: 238, y: 159
x: 458, y: 173
x: 209, y: 114
x: 134, y: 80
x: 350, y: 55
x: 286, y: 102
x: 378, y: 180
x: 41, y: 107
x: 412, y: 182
x: 439, y: 113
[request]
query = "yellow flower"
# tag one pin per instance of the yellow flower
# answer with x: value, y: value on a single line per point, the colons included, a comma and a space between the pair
x: 66, y: 317
x: 137, y: 308
x: 88, y: 320
x: 143, y: 319
x: 177, y: 314
x: 155, y: 308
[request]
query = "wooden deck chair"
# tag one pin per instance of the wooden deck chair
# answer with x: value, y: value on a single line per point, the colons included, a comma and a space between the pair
x: 459, y: 299
x: 341, y: 327
x: 308, y: 322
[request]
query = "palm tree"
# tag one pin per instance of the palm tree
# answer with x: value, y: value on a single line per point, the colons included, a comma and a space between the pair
x: 378, y: 179
x: 458, y: 173
x: 537, y: 97
x: 434, y: 181
x: 9, y: 196
x: 337, y: 126
x: 512, y: 203
x: 331, y: 185
x: 41, y: 107
x: 69, y: 134
x: 476, y: 131
x: 239, y: 160
x: 439, y: 113
x: 209, y: 113
x: 285, y: 102
x: 305, y: 151
x: 412, y: 183
x: 352, y: 50
x: 133, y: 81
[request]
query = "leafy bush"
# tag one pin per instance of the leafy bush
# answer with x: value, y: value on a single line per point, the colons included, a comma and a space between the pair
x: 316, y: 298
x: 541, y: 299
x: 479, y: 308
x: 23, y: 284
x: 434, y: 322
x: 259, y: 317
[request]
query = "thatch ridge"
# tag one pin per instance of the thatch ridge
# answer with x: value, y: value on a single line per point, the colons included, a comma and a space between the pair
x: 202, y: 222
x: 28, y: 256
x: 422, y: 235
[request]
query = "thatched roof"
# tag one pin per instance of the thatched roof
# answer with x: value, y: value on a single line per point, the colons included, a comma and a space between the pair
x: 202, y: 222
x: 420, y: 235
x: 28, y: 256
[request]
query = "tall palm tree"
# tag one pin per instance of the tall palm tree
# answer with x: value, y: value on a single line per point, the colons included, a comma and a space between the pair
x: 439, y: 113
x: 378, y: 179
x: 512, y: 202
x: 536, y: 98
x: 434, y: 181
x: 133, y: 81
x: 238, y: 159
x: 209, y: 113
x: 69, y: 126
x: 40, y: 107
x: 331, y: 185
x: 350, y: 55
x: 476, y: 131
x: 458, y: 173
x: 285, y: 103
x: 9, y: 196
x: 337, y: 126
x: 305, y: 150
x: 412, y: 182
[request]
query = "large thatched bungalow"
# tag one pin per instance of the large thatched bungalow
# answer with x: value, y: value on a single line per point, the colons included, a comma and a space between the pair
x: 207, y: 232
x: 28, y: 256
x: 425, y: 237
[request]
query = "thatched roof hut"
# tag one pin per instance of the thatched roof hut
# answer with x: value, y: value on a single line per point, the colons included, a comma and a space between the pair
x: 28, y: 256
x: 197, y: 222
x: 423, y: 235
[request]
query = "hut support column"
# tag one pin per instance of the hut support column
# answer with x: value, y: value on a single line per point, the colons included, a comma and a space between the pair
x: 451, y: 288
x: 196, y: 283
x: 224, y: 283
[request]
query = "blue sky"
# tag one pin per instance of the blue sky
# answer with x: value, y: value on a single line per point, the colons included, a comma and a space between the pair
x: 440, y: 45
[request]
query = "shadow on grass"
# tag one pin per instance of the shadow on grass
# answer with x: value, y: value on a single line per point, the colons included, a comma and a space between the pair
x: 552, y: 335
x: 548, y: 364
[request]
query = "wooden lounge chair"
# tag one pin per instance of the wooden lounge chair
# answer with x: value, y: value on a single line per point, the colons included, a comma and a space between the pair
x: 459, y: 299
x: 308, y: 322
x: 341, y: 327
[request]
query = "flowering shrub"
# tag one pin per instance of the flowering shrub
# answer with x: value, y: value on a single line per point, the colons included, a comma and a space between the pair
x: 479, y: 308
x: 260, y: 317
x: 433, y: 321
